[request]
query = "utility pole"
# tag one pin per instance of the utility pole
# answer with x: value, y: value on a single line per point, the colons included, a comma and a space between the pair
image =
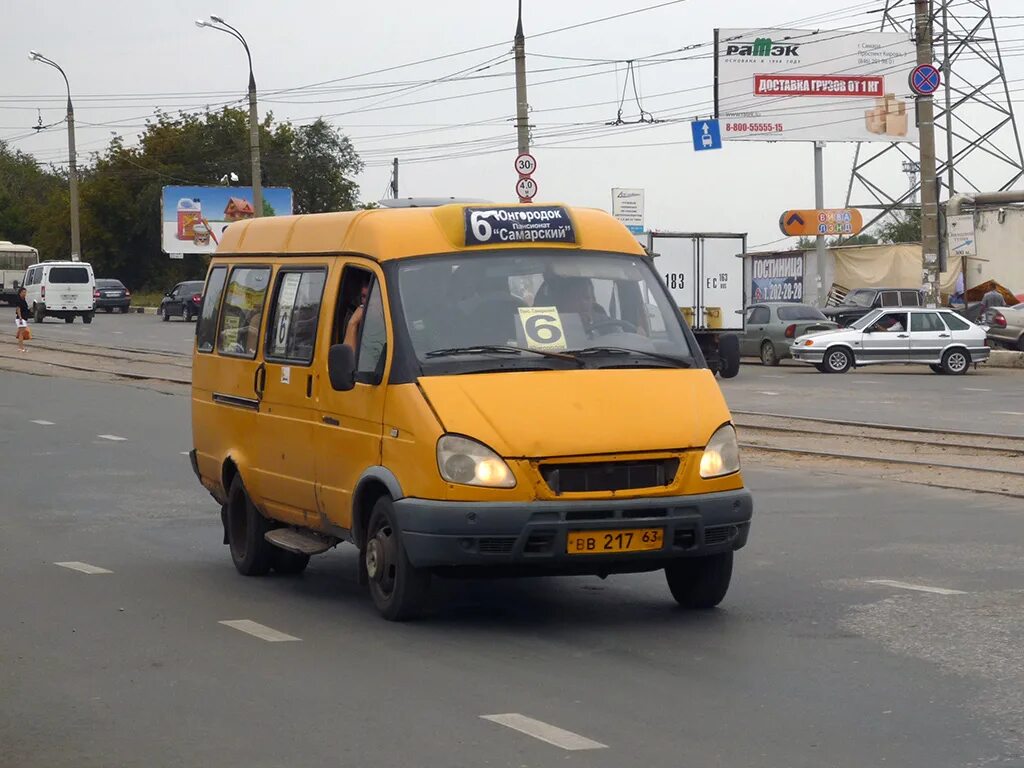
x: 819, y: 203
x: 929, y: 188
x: 522, y: 106
x: 394, y: 178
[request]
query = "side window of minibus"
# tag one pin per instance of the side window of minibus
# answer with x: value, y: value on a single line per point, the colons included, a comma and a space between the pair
x: 358, y: 287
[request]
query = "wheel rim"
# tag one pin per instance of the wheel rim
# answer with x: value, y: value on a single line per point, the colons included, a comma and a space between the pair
x: 837, y: 361
x: 956, y: 362
x: 381, y: 566
x: 767, y: 354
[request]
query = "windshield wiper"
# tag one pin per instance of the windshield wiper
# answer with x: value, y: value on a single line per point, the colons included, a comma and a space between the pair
x: 501, y: 349
x: 679, y: 362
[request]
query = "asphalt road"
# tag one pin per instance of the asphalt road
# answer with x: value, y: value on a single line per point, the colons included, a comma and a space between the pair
x: 809, y: 662
x: 132, y: 331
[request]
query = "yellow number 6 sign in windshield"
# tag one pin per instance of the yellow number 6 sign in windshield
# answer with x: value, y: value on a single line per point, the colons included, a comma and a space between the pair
x: 543, y: 328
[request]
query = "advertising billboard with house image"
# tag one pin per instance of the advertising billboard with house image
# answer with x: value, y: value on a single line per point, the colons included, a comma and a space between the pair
x: 193, y: 219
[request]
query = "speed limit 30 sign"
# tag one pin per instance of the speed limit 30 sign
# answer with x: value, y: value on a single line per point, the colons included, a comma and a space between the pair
x: 526, y: 164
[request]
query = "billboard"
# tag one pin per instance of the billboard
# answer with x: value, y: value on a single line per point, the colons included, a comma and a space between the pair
x: 777, y: 278
x: 793, y: 85
x: 193, y: 219
x: 628, y: 207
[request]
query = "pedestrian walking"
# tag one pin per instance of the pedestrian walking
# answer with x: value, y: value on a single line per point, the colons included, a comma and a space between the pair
x: 23, y: 333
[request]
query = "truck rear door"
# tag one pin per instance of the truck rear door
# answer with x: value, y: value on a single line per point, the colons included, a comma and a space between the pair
x: 69, y: 287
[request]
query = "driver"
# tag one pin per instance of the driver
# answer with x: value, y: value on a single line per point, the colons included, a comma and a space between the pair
x: 575, y: 295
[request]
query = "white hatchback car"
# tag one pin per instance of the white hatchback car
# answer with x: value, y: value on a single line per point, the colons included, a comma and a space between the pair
x: 940, y: 338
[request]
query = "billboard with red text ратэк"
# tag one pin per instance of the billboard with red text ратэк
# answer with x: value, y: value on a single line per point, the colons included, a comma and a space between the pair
x: 799, y: 85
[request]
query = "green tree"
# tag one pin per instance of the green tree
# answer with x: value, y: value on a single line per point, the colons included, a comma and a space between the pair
x: 32, y: 199
x: 902, y: 227
x: 325, y: 161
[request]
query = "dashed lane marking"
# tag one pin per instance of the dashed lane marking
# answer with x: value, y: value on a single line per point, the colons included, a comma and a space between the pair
x: 261, y: 631
x: 74, y: 565
x: 1010, y: 413
x: 42, y: 422
x: 976, y: 389
x: 768, y: 393
x: 916, y: 587
x: 114, y: 438
x: 551, y: 734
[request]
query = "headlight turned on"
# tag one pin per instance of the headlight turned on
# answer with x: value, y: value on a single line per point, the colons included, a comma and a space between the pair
x: 467, y: 462
x: 721, y: 455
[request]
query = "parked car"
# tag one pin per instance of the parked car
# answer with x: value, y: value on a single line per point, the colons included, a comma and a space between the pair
x: 771, y: 327
x: 61, y: 289
x: 182, y: 301
x: 861, y: 301
x: 111, y: 295
x: 1006, y: 326
x: 940, y: 338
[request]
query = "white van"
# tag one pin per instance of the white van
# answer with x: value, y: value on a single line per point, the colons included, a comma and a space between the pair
x: 61, y: 289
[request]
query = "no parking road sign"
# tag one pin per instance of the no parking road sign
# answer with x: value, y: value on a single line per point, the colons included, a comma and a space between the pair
x: 925, y: 80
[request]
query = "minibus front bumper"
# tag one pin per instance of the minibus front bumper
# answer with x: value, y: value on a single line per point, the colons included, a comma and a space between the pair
x: 536, y: 535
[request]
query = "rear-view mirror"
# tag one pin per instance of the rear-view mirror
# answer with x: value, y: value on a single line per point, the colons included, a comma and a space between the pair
x: 341, y: 367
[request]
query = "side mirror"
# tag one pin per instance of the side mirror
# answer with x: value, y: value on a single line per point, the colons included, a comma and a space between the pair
x: 341, y: 367
x: 168, y: 294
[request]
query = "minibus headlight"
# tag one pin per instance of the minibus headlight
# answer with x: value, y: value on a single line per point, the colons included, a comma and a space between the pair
x: 721, y: 455
x: 467, y: 462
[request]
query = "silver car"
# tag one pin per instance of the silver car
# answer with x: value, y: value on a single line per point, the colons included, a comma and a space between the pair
x: 940, y: 338
x: 770, y: 328
x: 1006, y: 326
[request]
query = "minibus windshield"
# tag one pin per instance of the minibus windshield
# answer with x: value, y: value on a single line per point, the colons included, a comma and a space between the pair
x: 544, y: 308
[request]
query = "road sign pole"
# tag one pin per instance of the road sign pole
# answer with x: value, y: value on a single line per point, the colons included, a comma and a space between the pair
x: 929, y: 190
x: 819, y: 203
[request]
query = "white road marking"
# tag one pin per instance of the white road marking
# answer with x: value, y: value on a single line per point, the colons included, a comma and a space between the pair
x: 767, y: 393
x: 74, y: 565
x: 1009, y: 413
x: 772, y: 376
x: 42, y: 422
x: 184, y: 453
x: 261, y: 631
x: 915, y: 587
x: 976, y: 389
x: 115, y: 438
x: 548, y: 733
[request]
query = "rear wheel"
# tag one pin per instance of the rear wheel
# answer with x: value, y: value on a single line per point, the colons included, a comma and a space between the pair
x: 700, y: 582
x: 838, y: 360
x: 398, y: 590
x: 38, y: 313
x: 184, y: 314
x: 166, y: 314
x: 69, y: 319
x: 1020, y: 344
x: 768, y: 354
x: 936, y: 368
x: 87, y: 318
x: 822, y: 368
x: 956, y: 361
x: 729, y: 354
x: 252, y: 554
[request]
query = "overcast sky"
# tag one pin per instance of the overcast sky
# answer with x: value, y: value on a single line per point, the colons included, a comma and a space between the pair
x: 125, y: 59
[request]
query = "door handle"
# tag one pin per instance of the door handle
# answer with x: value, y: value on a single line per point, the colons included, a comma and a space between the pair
x: 332, y: 421
x: 903, y: 336
x: 943, y: 335
x: 259, y: 380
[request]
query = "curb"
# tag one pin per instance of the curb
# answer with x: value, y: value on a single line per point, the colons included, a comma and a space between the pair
x: 1005, y: 358
x: 142, y: 310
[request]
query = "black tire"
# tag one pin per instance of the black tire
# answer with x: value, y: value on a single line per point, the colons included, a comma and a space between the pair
x: 87, y: 318
x: 398, y: 590
x: 837, y: 360
x: 108, y: 310
x: 956, y: 362
x: 769, y: 356
x: 69, y: 319
x: 700, y: 582
x: 38, y: 313
x: 166, y: 314
x: 936, y: 368
x: 289, y: 563
x: 822, y: 368
x: 252, y: 554
x: 184, y: 314
x: 1020, y: 344
x: 729, y: 353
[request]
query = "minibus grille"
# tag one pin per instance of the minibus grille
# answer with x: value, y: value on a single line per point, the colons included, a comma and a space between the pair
x: 719, y: 534
x: 609, y: 475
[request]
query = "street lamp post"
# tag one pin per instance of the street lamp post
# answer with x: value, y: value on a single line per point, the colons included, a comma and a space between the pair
x: 216, y: 22
x: 76, y: 241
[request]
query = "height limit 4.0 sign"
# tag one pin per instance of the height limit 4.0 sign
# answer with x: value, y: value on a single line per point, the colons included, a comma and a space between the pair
x: 526, y: 188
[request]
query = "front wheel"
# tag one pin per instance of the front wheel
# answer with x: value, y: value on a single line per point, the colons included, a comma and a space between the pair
x: 956, y: 361
x: 700, y: 582
x: 936, y: 368
x: 838, y: 360
x: 398, y: 589
x: 166, y: 314
x: 251, y: 553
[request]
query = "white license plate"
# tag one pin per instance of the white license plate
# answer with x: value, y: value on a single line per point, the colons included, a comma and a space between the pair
x: 68, y: 296
x: 108, y: 294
